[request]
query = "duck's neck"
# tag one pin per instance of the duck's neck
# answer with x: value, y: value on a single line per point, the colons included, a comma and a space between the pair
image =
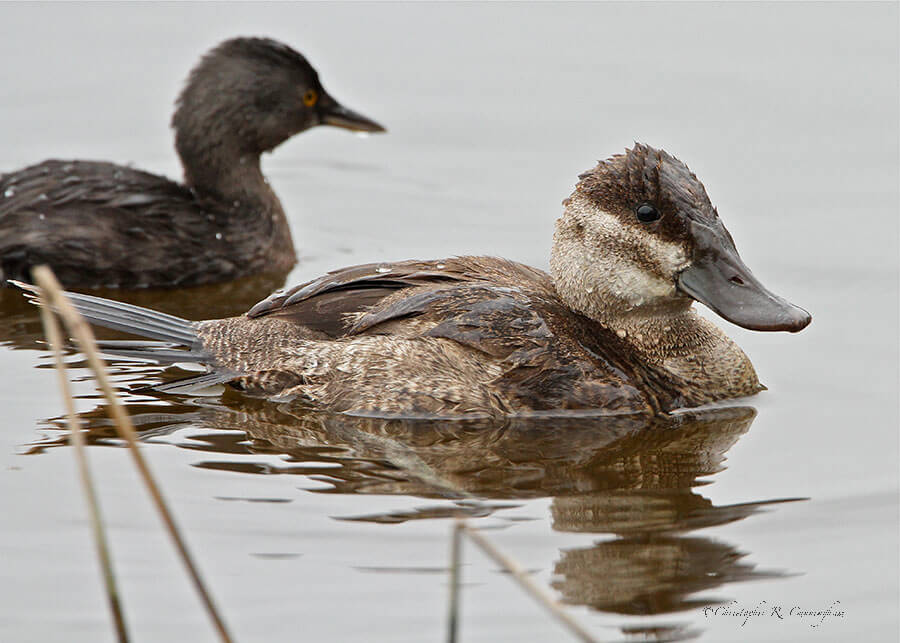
x: 703, y: 361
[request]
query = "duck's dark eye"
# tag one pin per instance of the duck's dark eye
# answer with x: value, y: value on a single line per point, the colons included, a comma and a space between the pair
x: 646, y: 213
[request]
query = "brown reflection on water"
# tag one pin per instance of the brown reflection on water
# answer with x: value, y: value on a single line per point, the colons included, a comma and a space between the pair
x: 631, y: 478
x: 570, y: 458
x: 651, y: 574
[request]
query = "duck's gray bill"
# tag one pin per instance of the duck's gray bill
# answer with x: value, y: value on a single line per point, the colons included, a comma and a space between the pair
x: 339, y: 116
x: 722, y: 281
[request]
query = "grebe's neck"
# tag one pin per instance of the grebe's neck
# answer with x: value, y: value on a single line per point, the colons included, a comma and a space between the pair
x: 216, y: 170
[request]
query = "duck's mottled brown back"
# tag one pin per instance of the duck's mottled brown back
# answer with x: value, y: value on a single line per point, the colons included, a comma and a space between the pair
x: 468, y: 334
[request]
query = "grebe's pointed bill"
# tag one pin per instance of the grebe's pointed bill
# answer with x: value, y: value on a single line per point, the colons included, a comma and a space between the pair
x: 719, y: 278
x: 333, y: 113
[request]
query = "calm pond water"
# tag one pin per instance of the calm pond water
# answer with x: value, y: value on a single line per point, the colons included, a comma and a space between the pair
x: 326, y: 528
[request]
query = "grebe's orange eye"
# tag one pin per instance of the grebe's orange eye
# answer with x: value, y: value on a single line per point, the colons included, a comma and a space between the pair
x: 310, y: 97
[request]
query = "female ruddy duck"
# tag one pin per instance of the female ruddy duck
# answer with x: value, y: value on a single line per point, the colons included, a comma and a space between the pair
x: 99, y: 224
x: 611, y: 327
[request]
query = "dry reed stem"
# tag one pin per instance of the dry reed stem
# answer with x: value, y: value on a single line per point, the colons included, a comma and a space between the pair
x: 80, y: 329
x: 455, y: 563
x: 521, y: 576
x: 54, y: 337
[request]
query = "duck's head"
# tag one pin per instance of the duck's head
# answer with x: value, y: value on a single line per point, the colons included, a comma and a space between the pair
x: 253, y: 94
x: 639, y: 237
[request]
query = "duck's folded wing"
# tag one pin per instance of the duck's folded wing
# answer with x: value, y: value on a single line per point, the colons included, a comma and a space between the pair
x: 495, y: 320
x: 325, y: 303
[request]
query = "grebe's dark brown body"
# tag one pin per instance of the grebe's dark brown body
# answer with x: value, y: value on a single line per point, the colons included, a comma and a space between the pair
x: 99, y: 224
x: 611, y: 327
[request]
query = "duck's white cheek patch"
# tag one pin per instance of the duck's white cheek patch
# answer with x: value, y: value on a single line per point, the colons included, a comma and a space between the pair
x: 637, y: 286
x: 639, y: 265
x: 671, y: 256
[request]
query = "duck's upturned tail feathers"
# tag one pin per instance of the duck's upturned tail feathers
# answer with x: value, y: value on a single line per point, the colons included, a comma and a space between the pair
x: 176, y: 339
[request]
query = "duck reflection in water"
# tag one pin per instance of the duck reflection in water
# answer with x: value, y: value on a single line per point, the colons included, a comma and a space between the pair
x: 631, y: 477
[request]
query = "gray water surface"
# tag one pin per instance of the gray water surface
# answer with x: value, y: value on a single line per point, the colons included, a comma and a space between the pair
x: 316, y: 528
